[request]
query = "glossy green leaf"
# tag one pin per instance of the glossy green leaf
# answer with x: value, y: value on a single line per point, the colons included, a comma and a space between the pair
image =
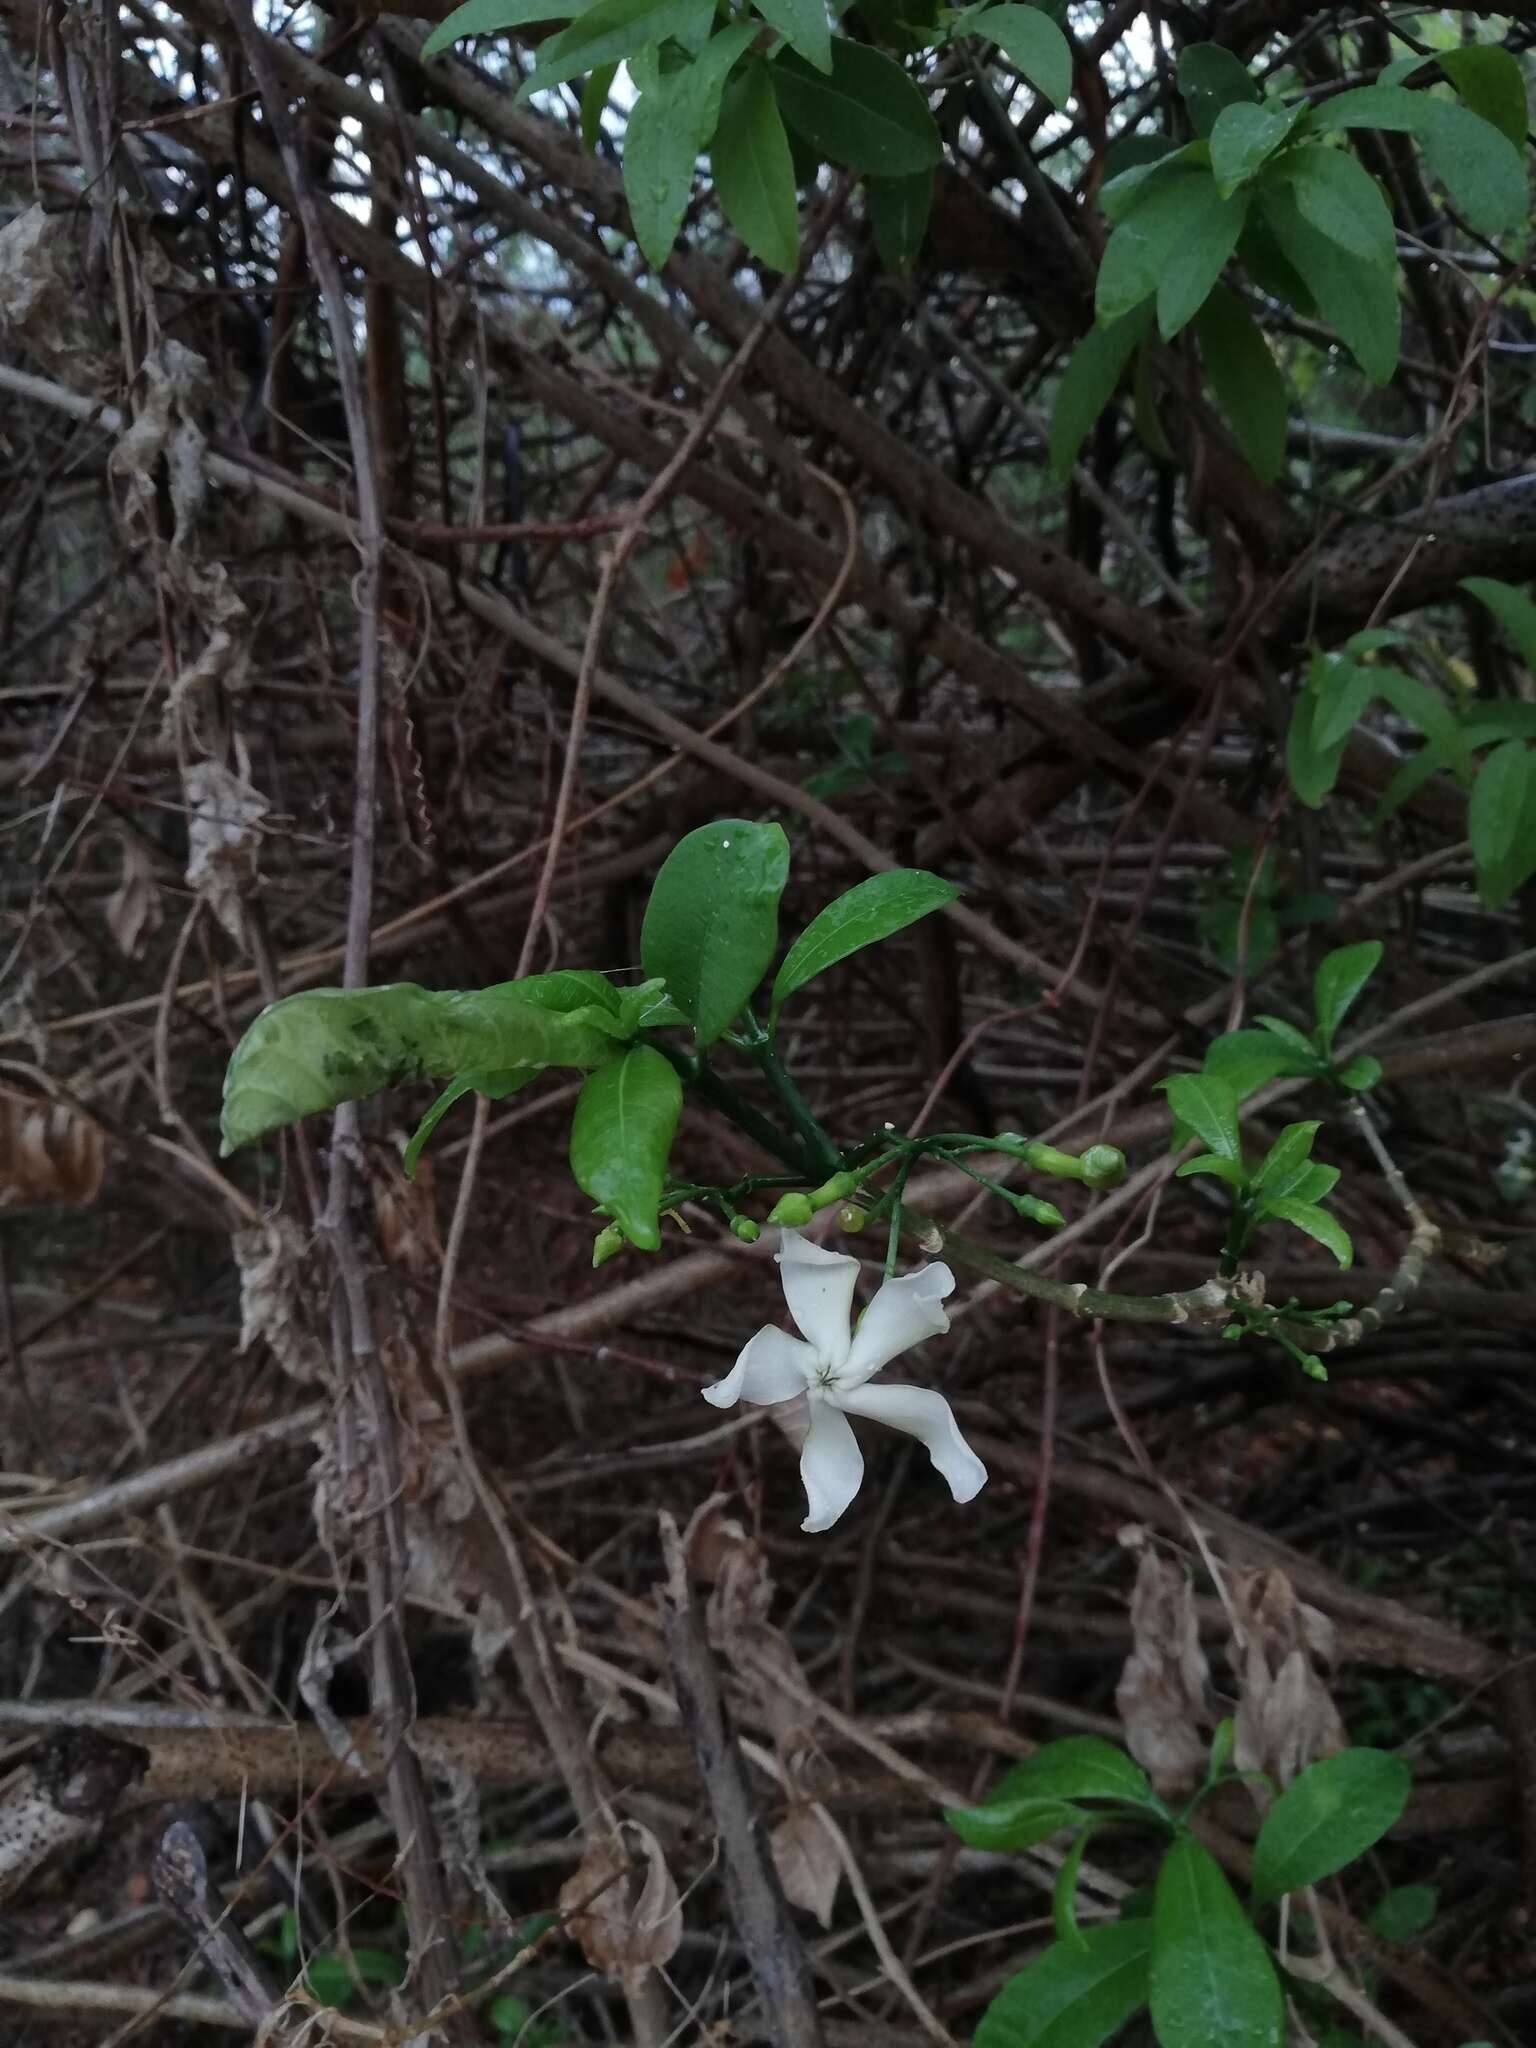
x: 1360, y: 1073
x: 1316, y: 1222
x: 612, y: 32
x: 804, y: 25
x: 754, y: 172
x: 1033, y: 45
x: 594, y: 103
x: 1013, y: 1823
x: 1333, y: 1812
x: 1481, y: 169
x: 1243, y: 140
x: 1088, y: 383
x: 1492, y: 84
x: 867, y: 115
x: 1514, y: 611
x: 713, y: 919
x: 1342, y: 689
x: 1245, y: 381
x: 1248, y: 1060
x: 1064, y: 1892
x: 669, y: 126
x: 493, y: 1082
x: 1285, y: 1161
x: 1211, y: 78
x: 1426, y: 709
x: 1298, y: 1041
x: 489, y: 18
x: 1174, y: 242
x: 1358, y: 300
x: 621, y: 1134
x: 1075, y: 1995
x: 898, y: 211
x: 1213, y: 1983
x: 1501, y: 822
x: 1342, y: 201
x: 1207, y: 1163
x: 1340, y: 977
x: 328, y: 1045
x: 870, y: 911
x: 1077, y: 1767
x: 1206, y: 1103
x: 1314, y: 1184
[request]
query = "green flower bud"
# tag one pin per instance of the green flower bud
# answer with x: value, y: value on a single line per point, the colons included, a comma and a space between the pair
x: 792, y: 1210
x: 1103, y: 1166
x: 606, y: 1243
x: 744, y: 1228
x: 837, y: 1189
x: 1038, y: 1211
x: 851, y: 1217
x: 1046, y: 1159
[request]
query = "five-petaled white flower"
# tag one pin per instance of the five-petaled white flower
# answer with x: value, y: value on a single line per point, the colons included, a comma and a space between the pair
x: 832, y: 1368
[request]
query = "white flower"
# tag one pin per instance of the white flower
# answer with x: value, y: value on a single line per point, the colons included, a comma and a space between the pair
x: 832, y: 1367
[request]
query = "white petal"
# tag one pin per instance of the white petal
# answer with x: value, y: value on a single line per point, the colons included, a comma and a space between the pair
x: 818, y: 1285
x: 773, y: 1367
x: 831, y: 1466
x: 927, y: 1416
x: 902, y: 1314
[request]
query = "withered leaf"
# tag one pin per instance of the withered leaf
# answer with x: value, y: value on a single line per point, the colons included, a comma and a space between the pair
x: 630, y: 1928
x: 1161, y: 1696
x: 807, y: 1861
x: 49, y: 1152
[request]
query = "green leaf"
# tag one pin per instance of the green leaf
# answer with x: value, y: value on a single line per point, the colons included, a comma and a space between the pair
x: 867, y: 116
x: 612, y: 31
x: 329, y: 1045
x: 1492, y: 84
x: 493, y: 1082
x: 1298, y: 1041
x: 1206, y: 1162
x: 898, y: 210
x: 1317, y: 1223
x: 333, y: 1979
x: 621, y: 1134
x: 754, y: 172
x: 1245, y: 381
x: 1358, y: 300
x: 1481, y: 169
x: 804, y: 25
x: 1407, y: 1910
x: 669, y: 126
x: 1088, y: 383
x: 1211, y: 78
x: 1174, y: 241
x: 489, y: 18
x: 870, y: 911
x: 1076, y: 1995
x: 1243, y: 140
x: 713, y: 919
x: 594, y: 104
x: 1339, y: 979
x: 1013, y: 1823
x: 1033, y: 44
x: 1501, y: 822
x: 1213, y: 1983
x: 1336, y: 1810
x: 1064, y: 1892
x: 1314, y: 1184
x: 1342, y: 201
x: 1206, y: 1103
x: 1247, y: 1060
x: 1513, y: 610
x: 1361, y: 1073
x: 1428, y: 710
x: 1077, y: 1767
x: 1285, y: 1161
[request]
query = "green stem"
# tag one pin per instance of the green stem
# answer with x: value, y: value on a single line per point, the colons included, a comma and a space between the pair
x: 696, y: 1073
x: 819, y: 1148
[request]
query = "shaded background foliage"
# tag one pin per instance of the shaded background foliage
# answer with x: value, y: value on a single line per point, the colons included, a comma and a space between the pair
x: 868, y: 609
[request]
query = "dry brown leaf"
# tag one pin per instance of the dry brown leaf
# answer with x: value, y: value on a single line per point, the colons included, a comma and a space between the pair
x: 807, y: 1861
x: 405, y: 1211
x: 628, y: 1930
x: 41, y: 301
x: 173, y: 388
x: 222, y: 841
x: 1286, y: 1718
x: 133, y: 910
x: 1161, y: 1696
x: 276, y: 1306
x: 48, y: 1153
x: 736, y: 1619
